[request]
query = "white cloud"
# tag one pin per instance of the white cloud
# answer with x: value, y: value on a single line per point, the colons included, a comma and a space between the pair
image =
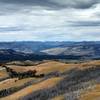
x: 38, y: 23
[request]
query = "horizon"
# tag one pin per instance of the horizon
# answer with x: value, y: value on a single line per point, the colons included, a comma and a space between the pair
x: 45, y: 41
x: 49, y: 20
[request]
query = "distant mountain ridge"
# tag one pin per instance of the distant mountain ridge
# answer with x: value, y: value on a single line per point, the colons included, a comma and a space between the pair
x: 29, y: 47
x: 39, y: 46
x: 7, y: 55
x: 82, y: 49
x: 49, y: 50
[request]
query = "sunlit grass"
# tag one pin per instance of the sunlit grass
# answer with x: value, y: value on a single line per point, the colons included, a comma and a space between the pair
x: 42, y: 85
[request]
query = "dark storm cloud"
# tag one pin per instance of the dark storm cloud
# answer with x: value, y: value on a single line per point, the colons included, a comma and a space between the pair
x: 85, y: 23
x: 82, y: 4
x: 24, y: 3
x: 14, y: 6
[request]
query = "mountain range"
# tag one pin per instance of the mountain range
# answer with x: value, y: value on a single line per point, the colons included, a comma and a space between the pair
x: 49, y: 50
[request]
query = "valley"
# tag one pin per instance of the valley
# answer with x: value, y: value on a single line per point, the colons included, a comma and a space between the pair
x: 50, y: 70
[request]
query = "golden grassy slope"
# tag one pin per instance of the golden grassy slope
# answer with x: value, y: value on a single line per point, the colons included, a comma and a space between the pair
x: 94, y: 94
x: 13, y: 83
x: 53, y: 66
x: 3, y: 74
x: 61, y: 97
x: 49, y: 66
x: 42, y: 85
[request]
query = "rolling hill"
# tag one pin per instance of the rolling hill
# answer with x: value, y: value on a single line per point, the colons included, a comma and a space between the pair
x: 61, y: 81
x: 63, y: 71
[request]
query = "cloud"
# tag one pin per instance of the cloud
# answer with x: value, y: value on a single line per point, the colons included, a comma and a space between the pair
x: 56, y: 4
x: 17, y: 36
x: 8, y: 29
x: 82, y: 4
x: 49, y: 20
x: 85, y: 23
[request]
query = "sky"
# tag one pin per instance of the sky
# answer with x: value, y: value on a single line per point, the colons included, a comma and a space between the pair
x: 49, y: 20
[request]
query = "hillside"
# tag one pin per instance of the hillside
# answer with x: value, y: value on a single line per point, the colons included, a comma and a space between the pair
x: 60, y: 82
x: 49, y: 50
x: 8, y: 55
x: 76, y: 50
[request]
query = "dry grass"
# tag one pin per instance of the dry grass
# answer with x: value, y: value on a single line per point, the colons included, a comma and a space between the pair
x: 92, y: 95
x: 89, y: 64
x: 3, y: 74
x: 42, y: 85
x: 61, y: 97
x: 53, y: 66
x: 47, y: 67
x: 13, y: 83
x: 18, y: 68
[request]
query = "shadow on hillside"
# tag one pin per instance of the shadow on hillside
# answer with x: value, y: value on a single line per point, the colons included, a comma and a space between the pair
x: 75, y: 81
